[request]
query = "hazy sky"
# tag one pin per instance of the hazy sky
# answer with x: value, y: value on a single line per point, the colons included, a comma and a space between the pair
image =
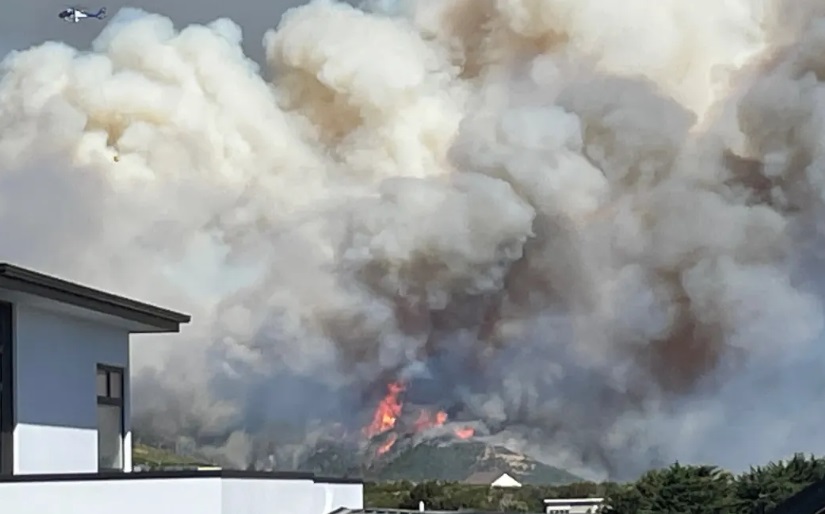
x: 28, y: 23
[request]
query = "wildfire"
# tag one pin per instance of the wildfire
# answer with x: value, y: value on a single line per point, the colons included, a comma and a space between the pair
x: 427, y: 420
x: 464, y: 433
x: 389, y: 409
x: 386, y: 445
x: 387, y: 412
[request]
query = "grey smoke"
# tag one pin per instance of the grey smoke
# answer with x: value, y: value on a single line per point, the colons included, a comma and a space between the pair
x: 591, y: 228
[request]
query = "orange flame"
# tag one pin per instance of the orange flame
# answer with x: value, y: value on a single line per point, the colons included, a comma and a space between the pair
x: 427, y: 420
x: 387, y: 412
x: 464, y: 433
x: 389, y: 409
x: 386, y: 445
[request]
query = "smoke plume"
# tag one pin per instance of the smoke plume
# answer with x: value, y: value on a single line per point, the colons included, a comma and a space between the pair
x: 593, y: 227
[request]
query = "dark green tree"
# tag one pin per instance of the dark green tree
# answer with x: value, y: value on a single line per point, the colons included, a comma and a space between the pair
x: 762, y: 488
x: 432, y: 494
x: 676, y: 490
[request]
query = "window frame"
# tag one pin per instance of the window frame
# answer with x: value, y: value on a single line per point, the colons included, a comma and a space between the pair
x: 108, y: 399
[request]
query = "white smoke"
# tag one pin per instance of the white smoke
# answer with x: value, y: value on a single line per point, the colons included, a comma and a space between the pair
x: 596, y: 224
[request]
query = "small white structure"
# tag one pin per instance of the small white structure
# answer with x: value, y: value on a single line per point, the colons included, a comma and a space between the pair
x: 573, y: 505
x: 65, y: 435
x: 505, y: 480
x: 493, y: 479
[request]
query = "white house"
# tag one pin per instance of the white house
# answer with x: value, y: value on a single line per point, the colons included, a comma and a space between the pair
x: 65, y: 437
x: 492, y: 478
x: 505, y: 480
x: 573, y: 505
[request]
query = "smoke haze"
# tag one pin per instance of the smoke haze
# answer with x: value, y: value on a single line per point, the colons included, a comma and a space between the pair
x: 594, y: 228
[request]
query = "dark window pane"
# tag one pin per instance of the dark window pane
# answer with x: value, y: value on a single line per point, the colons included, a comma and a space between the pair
x: 102, y: 389
x: 115, y: 384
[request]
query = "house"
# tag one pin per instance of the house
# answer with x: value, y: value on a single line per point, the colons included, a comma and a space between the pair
x: 492, y: 478
x: 573, y: 505
x: 65, y: 434
x: 505, y: 480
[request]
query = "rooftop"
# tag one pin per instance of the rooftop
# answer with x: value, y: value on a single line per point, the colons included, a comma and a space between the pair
x: 402, y: 511
x: 151, y: 318
x: 179, y: 474
x: 572, y: 501
x: 483, y: 477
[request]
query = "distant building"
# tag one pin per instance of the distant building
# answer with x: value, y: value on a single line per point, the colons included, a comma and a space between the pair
x: 573, y: 505
x: 493, y: 479
x: 65, y: 436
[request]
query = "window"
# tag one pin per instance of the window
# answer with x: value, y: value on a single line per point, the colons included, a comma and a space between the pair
x: 110, y: 430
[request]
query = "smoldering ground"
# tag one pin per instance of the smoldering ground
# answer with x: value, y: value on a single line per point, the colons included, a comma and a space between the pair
x: 593, y: 227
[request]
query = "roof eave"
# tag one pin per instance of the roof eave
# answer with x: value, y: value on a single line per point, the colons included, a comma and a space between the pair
x: 156, y: 319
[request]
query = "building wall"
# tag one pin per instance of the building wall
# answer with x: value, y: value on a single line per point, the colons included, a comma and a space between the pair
x: 143, y: 496
x: 55, y: 386
x: 302, y: 496
x: 177, y: 496
x: 344, y: 495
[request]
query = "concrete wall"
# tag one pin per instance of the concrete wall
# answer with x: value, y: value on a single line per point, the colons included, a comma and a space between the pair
x: 178, y: 496
x: 302, y: 496
x: 55, y: 357
x: 573, y: 507
x: 253, y: 496
x: 344, y: 495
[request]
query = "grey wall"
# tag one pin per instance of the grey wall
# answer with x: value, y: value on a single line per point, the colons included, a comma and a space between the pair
x: 55, y: 359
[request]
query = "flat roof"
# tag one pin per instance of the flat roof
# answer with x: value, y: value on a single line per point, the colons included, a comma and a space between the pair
x: 572, y: 501
x: 183, y: 474
x: 379, y: 510
x: 15, y: 278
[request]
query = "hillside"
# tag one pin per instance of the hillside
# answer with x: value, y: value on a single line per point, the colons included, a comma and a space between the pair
x: 456, y: 462
x: 150, y: 457
x: 432, y: 460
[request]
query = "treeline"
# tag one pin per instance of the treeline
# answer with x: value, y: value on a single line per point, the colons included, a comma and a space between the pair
x: 675, y: 490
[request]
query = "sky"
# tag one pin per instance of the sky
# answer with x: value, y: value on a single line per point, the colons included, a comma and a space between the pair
x: 36, y: 22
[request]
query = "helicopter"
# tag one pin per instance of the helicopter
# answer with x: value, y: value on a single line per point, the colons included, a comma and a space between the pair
x: 75, y: 14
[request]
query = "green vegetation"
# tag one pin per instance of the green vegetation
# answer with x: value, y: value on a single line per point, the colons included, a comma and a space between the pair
x: 675, y: 490
x: 155, y: 458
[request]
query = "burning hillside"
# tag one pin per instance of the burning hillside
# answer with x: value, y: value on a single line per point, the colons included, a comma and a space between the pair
x: 390, y: 420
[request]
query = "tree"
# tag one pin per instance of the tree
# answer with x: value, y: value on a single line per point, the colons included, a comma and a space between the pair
x: 677, y: 490
x: 762, y: 488
x: 432, y: 494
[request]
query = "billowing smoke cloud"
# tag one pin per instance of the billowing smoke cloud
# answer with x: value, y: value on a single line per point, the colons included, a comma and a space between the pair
x: 593, y: 227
